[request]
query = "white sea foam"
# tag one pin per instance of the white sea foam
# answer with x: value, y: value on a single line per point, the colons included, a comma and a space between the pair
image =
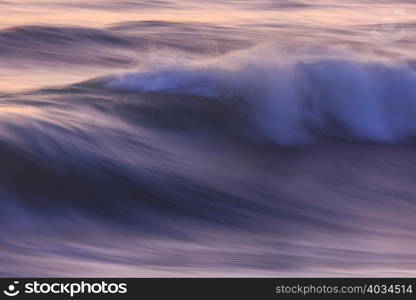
x: 289, y: 98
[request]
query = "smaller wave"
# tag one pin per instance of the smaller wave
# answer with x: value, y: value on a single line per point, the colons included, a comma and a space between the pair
x: 294, y: 100
x: 68, y: 45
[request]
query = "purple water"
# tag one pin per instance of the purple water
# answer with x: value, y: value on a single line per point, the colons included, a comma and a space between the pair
x: 190, y: 138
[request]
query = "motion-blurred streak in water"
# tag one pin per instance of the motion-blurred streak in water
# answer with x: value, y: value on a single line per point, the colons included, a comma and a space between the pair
x: 187, y: 138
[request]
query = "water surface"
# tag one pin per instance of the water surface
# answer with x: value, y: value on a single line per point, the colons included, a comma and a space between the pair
x: 192, y: 138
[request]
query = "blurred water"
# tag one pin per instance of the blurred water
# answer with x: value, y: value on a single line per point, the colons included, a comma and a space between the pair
x: 45, y: 43
x: 191, y: 138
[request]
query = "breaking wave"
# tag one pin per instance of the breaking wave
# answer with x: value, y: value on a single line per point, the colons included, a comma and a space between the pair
x: 294, y: 101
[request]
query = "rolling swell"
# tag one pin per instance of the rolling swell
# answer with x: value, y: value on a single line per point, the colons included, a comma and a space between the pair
x: 119, y: 45
x: 49, y: 45
x: 187, y: 166
x: 195, y: 159
x: 103, y: 155
x: 143, y: 138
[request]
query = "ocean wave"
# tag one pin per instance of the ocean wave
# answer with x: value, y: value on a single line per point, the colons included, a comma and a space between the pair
x: 294, y: 99
x: 71, y: 141
x: 119, y: 45
x: 164, y: 170
x: 53, y: 46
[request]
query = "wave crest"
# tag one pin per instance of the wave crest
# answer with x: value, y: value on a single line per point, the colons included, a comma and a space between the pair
x: 295, y: 100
